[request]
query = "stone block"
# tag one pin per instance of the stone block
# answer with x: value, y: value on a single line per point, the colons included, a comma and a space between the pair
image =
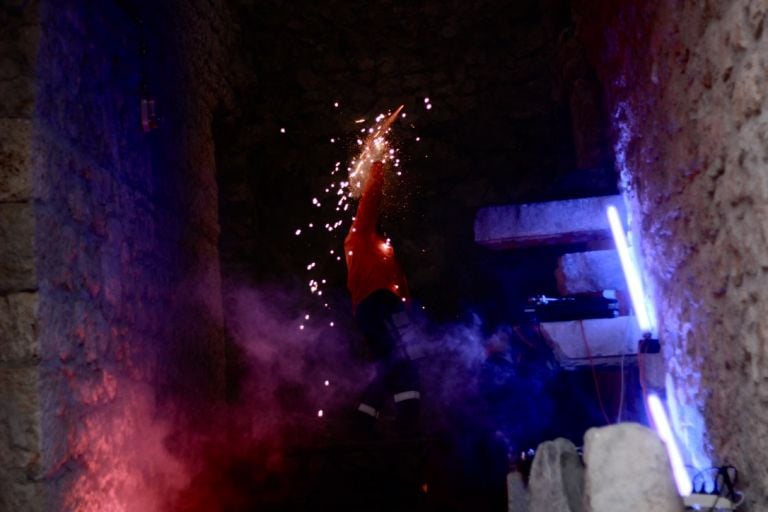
x: 18, y: 492
x: 627, y: 468
x: 19, y: 413
x: 605, y: 337
x: 15, y: 172
x: 18, y: 328
x: 557, y: 478
x: 18, y: 97
x: 517, y: 493
x: 546, y: 223
x: 592, y: 271
x: 17, y: 257
x: 20, y: 440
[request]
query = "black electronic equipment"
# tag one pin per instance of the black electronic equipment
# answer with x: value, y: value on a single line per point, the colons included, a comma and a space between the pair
x: 562, y: 309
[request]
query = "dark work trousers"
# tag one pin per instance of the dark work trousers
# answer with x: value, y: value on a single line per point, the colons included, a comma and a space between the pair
x: 378, y: 317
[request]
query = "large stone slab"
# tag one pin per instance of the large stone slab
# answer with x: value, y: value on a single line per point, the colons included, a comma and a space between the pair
x: 557, y: 478
x: 18, y: 329
x: 627, y: 468
x: 547, y: 223
x: 17, y: 257
x: 605, y: 337
x: 591, y: 271
x: 20, y: 440
x: 15, y: 172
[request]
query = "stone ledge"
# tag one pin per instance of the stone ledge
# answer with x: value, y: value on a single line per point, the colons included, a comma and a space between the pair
x: 547, y: 223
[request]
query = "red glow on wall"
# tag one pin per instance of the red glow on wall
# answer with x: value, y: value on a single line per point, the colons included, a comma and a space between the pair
x: 120, y: 444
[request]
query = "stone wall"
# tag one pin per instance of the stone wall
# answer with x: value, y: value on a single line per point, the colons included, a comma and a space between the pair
x: 111, y: 302
x: 20, y: 439
x: 686, y: 82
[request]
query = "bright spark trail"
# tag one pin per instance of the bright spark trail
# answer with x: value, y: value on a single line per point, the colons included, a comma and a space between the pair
x: 375, y: 148
x: 374, y: 145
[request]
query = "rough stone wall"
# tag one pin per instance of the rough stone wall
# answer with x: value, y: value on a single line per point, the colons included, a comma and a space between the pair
x: 686, y: 83
x: 20, y: 448
x: 110, y: 302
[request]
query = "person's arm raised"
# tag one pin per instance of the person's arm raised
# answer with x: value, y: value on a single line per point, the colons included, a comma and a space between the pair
x: 369, y: 208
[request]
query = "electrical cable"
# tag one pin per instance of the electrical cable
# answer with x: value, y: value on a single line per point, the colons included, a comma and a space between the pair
x: 729, y: 476
x: 621, y: 390
x: 643, y: 385
x: 521, y: 335
x: 627, y: 333
x: 594, y: 373
x: 714, y: 505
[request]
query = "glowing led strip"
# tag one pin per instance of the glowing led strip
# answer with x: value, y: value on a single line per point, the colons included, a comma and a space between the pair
x: 631, y: 274
x: 682, y: 480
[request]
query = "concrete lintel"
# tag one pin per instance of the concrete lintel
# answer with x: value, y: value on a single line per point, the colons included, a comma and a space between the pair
x: 547, y: 223
x: 606, y: 337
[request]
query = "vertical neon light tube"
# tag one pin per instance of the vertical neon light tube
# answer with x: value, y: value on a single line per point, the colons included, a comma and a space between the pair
x: 631, y: 274
x: 682, y: 480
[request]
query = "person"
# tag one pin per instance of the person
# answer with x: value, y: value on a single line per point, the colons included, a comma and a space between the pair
x: 515, y: 382
x: 380, y: 300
